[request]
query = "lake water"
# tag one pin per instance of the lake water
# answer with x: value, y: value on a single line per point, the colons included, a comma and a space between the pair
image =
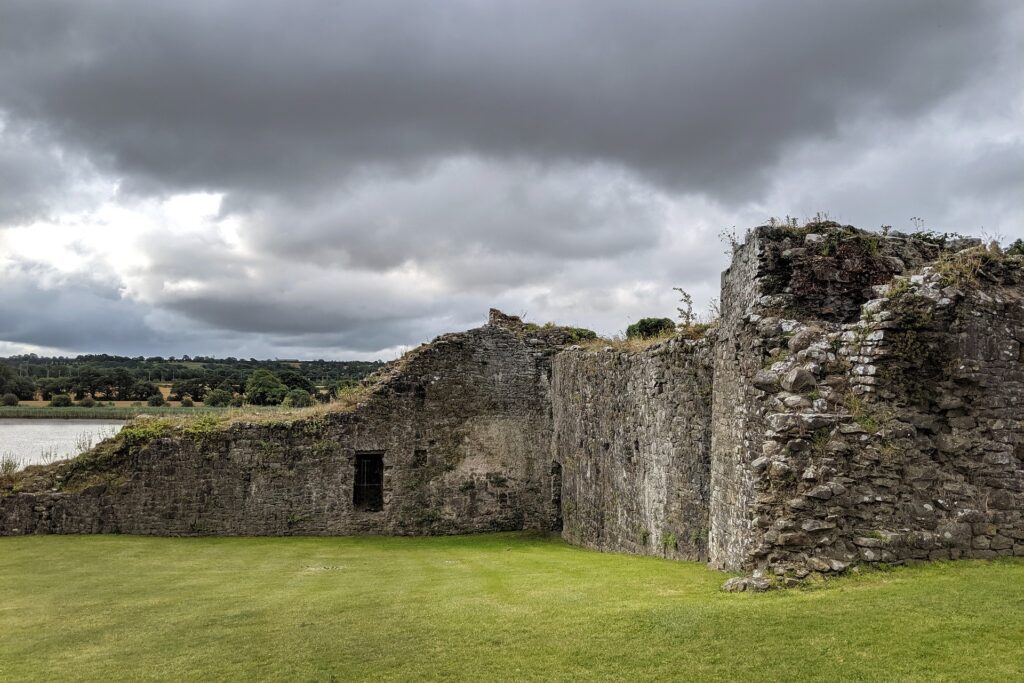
x: 40, y: 441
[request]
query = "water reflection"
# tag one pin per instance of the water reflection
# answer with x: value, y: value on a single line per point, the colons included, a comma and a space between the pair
x: 32, y: 442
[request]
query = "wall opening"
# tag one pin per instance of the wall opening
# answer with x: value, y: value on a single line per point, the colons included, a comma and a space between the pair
x: 368, y: 489
x: 556, y: 495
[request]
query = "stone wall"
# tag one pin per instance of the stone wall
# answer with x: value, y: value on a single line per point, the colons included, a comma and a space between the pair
x: 633, y: 437
x: 860, y: 400
x: 737, y: 420
x: 899, y: 436
x: 777, y: 278
x: 463, y: 424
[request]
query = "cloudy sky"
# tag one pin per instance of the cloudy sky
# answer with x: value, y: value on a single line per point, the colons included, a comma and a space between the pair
x: 344, y: 179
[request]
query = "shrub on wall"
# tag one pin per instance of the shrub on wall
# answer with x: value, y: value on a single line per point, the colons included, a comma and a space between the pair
x: 156, y: 401
x: 9, y: 400
x: 650, y: 327
x: 61, y: 401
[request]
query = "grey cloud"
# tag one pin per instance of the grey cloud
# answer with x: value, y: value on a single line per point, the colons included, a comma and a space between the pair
x: 874, y: 175
x: 37, y: 177
x: 42, y: 306
x: 396, y: 168
x: 471, y: 221
x: 90, y: 314
x: 295, y: 303
x: 274, y: 98
x: 387, y: 258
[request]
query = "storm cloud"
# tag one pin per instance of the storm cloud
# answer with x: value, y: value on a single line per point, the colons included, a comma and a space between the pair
x: 379, y: 172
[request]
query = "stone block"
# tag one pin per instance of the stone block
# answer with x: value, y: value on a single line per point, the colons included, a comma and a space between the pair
x: 798, y: 380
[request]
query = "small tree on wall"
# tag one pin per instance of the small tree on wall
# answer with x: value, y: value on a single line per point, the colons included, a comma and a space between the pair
x: 686, y: 310
x: 692, y: 325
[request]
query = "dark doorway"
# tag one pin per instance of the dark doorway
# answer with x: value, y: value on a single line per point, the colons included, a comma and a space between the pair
x: 368, y: 491
x: 556, y: 495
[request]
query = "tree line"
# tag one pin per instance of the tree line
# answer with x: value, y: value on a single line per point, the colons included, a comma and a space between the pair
x: 212, y: 381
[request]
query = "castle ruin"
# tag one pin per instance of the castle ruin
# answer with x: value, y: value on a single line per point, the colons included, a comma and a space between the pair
x: 859, y: 401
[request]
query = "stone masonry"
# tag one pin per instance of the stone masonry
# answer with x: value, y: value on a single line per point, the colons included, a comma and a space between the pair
x: 861, y: 400
x: 463, y: 426
x: 633, y: 436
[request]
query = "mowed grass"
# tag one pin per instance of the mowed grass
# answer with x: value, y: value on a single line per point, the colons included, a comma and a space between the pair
x: 490, y: 608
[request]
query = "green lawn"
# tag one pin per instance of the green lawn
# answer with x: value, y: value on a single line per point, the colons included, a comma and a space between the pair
x: 493, y: 607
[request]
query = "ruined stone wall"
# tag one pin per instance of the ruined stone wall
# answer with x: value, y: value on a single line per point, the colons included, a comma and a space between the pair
x: 633, y: 437
x: 737, y: 420
x: 464, y: 427
x: 861, y: 400
x: 778, y: 278
x: 898, y: 437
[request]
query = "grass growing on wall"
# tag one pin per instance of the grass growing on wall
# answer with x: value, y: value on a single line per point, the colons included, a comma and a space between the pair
x: 492, y: 607
x: 629, y: 344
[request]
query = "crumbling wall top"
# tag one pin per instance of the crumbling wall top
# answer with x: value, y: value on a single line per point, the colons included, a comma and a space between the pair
x: 512, y: 323
x: 547, y: 335
x: 826, y: 271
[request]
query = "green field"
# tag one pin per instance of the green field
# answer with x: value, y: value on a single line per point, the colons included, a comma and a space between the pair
x: 118, y: 412
x: 489, y: 608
